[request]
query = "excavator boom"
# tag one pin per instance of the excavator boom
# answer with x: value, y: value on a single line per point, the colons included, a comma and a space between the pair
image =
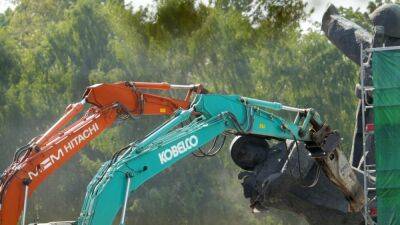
x: 215, y: 116
x: 33, y: 163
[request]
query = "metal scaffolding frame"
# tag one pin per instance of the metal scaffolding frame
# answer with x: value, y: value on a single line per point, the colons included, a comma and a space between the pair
x: 368, y: 169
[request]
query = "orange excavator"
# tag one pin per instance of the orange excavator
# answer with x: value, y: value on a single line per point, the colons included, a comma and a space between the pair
x: 44, y: 154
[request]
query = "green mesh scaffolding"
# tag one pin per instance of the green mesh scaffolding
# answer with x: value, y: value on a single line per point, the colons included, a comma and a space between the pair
x: 386, y: 77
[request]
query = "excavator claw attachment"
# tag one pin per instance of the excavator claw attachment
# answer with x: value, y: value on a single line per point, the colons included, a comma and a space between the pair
x: 249, y: 152
x: 293, y: 181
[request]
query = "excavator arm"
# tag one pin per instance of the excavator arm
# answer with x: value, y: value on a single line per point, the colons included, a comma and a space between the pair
x: 33, y: 163
x: 215, y: 115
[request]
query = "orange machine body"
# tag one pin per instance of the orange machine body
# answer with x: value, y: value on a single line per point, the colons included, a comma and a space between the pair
x: 48, y: 152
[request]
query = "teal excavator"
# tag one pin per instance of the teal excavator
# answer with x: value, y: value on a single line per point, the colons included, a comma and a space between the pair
x: 210, y: 119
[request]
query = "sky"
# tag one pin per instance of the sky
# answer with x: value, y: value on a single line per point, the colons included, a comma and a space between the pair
x: 318, y: 5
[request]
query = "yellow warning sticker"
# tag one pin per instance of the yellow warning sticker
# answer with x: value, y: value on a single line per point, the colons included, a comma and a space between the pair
x: 261, y: 125
x: 163, y: 110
